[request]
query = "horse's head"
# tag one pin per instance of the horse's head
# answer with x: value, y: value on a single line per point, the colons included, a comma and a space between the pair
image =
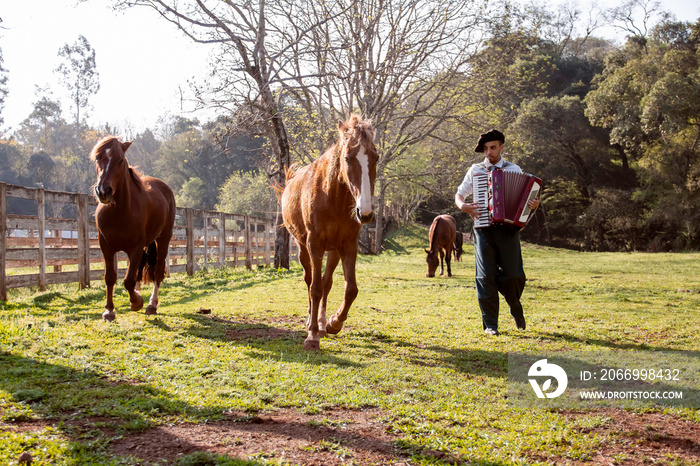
x: 358, y: 161
x: 111, y: 165
x: 433, y: 261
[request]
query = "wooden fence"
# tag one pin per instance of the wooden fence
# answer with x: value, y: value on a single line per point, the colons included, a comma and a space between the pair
x: 201, y: 238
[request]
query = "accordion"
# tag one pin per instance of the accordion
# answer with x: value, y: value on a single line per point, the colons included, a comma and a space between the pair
x: 502, y: 197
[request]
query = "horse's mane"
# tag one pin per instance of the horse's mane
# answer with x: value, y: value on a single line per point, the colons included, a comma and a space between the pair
x: 362, y: 130
x: 107, y: 142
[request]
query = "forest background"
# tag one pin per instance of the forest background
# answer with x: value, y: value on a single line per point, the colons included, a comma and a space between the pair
x: 612, y: 129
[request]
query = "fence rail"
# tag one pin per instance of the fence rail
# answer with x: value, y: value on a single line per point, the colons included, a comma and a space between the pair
x: 201, y: 238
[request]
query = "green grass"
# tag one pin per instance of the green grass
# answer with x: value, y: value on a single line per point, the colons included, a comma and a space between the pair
x: 412, y: 346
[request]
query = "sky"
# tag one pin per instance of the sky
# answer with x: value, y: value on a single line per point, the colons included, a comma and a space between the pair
x: 144, y: 62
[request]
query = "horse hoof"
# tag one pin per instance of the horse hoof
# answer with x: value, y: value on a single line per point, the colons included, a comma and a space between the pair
x: 311, y: 345
x: 137, y: 305
x: 331, y: 327
x: 108, y: 316
x: 151, y: 309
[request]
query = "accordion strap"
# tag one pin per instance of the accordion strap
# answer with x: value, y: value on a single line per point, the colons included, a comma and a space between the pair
x: 492, y: 167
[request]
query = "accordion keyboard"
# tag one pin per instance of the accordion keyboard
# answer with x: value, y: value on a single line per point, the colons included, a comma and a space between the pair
x: 480, y: 191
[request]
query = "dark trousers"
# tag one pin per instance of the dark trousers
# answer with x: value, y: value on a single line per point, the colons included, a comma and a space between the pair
x: 499, y: 268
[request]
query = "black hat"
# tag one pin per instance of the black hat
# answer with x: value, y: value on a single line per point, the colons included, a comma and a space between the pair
x: 491, y: 135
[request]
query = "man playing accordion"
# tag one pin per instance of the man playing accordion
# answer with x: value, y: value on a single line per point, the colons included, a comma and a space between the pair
x: 499, y: 263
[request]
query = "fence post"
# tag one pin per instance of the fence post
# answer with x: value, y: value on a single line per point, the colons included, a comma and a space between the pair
x: 83, y: 243
x: 41, y: 214
x: 206, y: 237
x: 189, y: 229
x: 222, y: 240
x: 246, y: 237
x: 3, y: 241
x: 235, y: 243
x: 268, y: 226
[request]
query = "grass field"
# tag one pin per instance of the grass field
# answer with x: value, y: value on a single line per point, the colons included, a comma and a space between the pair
x: 77, y: 390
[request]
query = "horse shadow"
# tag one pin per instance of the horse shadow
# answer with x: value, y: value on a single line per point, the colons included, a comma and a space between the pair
x: 467, y: 361
x: 591, y: 342
x: 104, y: 412
x: 267, y: 338
x: 212, y: 285
x: 88, y: 301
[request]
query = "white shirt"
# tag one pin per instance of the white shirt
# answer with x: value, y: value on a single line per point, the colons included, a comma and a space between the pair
x: 465, y: 189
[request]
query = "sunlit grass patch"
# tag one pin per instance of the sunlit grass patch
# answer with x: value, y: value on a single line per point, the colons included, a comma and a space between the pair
x: 412, y: 347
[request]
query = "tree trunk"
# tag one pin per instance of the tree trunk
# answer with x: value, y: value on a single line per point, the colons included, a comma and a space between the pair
x: 379, y: 236
x: 281, y: 244
x: 283, y: 161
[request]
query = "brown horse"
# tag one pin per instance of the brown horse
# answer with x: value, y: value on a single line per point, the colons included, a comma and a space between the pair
x: 442, y: 238
x: 324, y: 206
x: 136, y: 215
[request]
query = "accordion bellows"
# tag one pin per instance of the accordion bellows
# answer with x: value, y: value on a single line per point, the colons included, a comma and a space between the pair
x: 502, y: 197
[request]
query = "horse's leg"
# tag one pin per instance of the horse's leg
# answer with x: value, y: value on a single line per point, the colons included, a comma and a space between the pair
x: 162, y: 255
x: 335, y: 323
x: 305, y: 260
x: 448, y: 259
x: 331, y: 264
x: 130, y: 279
x: 316, y: 293
x: 442, y: 262
x: 110, y: 280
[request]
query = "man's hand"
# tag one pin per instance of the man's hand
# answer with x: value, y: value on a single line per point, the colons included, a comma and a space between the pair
x: 533, y: 203
x: 472, y: 209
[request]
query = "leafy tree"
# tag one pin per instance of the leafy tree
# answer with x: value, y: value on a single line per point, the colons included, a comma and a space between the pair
x: 554, y: 139
x: 143, y: 153
x: 76, y: 172
x: 41, y: 169
x: 10, y: 161
x: 647, y: 98
x: 195, y: 154
x: 79, y: 73
x: 247, y: 193
x: 192, y: 194
x: 38, y: 131
x: 176, y: 156
x: 557, y: 140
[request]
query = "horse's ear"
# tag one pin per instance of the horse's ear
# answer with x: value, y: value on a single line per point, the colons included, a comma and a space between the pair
x: 341, y: 126
x: 126, y: 145
x: 426, y: 251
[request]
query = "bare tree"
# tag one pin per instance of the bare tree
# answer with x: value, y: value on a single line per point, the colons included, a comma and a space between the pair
x: 566, y: 26
x: 246, y: 72
x: 300, y: 65
x: 635, y: 17
x: 399, y: 62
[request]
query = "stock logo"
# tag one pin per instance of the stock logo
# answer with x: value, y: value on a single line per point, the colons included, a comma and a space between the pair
x: 542, y: 368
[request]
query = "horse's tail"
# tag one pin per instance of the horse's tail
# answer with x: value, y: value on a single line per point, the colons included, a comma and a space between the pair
x: 148, y: 261
x: 289, y: 173
x: 432, y: 235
